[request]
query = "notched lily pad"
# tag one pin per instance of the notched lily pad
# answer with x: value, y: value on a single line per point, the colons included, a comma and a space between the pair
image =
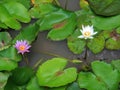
x: 106, y: 23
x: 96, y: 44
x: 104, y: 77
x: 62, y: 30
x: 106, y: 73
x: 113, y: 44
x: 3, y: 79
x: 75, y: 44
x: 17, y: 11
x: 5, y: 39
x: 52, y: 73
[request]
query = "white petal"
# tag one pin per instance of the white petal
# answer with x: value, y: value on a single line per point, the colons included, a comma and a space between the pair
x: 91, y: 37
x: 81, y: 36
x: 82, y: 31
x: 83, y: 27
x: 94, y: 33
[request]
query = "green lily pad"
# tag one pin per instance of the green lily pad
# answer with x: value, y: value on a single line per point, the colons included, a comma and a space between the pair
x: 51, y: 73
x: 29, y: 33
x: 106, y: 73
x: 5, y: 39
x: 106, y: 34
x: 106, y: 23
x: 75, y: 44
x: 53, y: 18
x: 33, y: 85
x: 89, y: 81
x: 7, y: 19
x: 22, y: 75
x: 62, y: 30
x: 17, y: 11
x: 73, y: 86
x: 2, y: 25
x: 3, y: 80
x: 10, y: 53
x: 42, y: 10
x: 104, y: 77
x: 116, y: 64
x: 106, y: 7
x: 7, y: 64
x: 96, y: 44
x: 113, y: 44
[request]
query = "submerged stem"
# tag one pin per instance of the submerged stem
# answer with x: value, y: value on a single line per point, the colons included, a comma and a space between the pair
x: 25, y: 58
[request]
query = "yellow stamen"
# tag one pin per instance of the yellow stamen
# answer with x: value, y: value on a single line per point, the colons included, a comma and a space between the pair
x: 87, y: 34
x: 22, y: 48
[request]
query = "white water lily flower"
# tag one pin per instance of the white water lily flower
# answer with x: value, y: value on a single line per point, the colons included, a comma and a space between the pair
x: 87, y: 32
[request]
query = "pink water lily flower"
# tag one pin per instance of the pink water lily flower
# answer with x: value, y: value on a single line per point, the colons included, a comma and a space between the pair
x: 22, y: 46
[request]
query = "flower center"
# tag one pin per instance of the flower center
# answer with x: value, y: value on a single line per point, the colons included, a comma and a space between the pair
x: 87, y: 34
x: 22, y: 47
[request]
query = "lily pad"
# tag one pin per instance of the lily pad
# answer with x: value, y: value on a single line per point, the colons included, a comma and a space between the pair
x: 52, y: 73
x: 7, y: 64
x: 17, y: 11
x: 116, y: 64
x: 52, y: 18
x: 73, y: 86
x: 7, y: 19
x: 113, y: 44
x: 42, y: 10
x: 33, y: 85
x: 3, y: 80
x: 29, y: 33
x: 89, y: 81
x: 5, y: 39
x: 75, y: 44
x: 96, y: 44
x: 106, y: 73
x: 106, y: 23
x: 62, y: 30
x: 104, y: 77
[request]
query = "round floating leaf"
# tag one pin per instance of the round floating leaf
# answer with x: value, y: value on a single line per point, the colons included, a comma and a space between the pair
x: 18, y: 11
x: 62, y: 30
x: 7, y: 19
x: 116, y: 64
x: 75, y: 44
x: 106, y: 23
x: 7, y: 64
x: 84, y: 17
x: 5, y: 39
x: 106, y: 7
x: 51, y: 73
x: 89, y: 81
x: 29, y: 33
x: 53, y: 18
x: 106, y: 74
x: 10, y: 53
x: 96, y: 44
x: 118, y: 30
x: 57, y: 88
x: 42, y: 10
x: 21, y: 75
x: 73, y: 86
x: 33, y: 85
x: 113, y: 44
x: 2, y: 25
x: 106, y: 34
x: 3, y: 80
